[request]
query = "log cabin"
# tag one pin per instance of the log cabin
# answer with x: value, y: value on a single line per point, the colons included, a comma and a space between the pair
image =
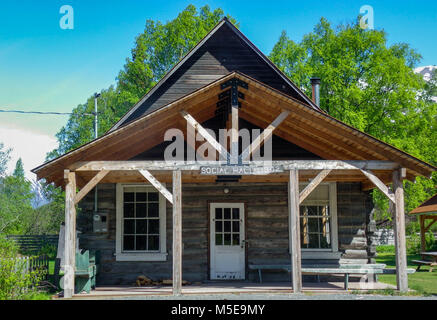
x: 210, y: 215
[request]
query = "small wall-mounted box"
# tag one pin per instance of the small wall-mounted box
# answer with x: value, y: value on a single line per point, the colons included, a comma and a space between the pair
x: 100, y: 222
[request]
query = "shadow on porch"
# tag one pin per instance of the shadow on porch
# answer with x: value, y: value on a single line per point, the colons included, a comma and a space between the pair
x: 217, y: 288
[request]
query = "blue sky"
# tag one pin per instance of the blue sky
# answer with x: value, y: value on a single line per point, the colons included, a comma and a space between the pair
x: 45, y: 68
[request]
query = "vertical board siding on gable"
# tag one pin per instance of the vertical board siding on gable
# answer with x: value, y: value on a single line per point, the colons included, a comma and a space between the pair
x: 266, y: 227
x: 223, y: 53
x: 283, y: 149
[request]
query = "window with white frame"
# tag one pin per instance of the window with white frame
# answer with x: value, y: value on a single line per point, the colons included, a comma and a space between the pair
x: 318, y: 219
x: 140, y: 224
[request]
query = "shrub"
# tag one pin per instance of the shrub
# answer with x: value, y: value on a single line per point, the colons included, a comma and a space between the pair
x: 385, y: 249
x: 16, y: 282
x: 414, y: 246
x: 49, y: 250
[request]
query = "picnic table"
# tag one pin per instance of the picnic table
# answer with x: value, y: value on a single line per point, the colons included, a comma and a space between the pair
x: 432, y: 262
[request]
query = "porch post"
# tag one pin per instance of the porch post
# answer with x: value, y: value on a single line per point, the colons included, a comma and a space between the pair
x: 293, y: 202
x: 177, y: 233
x: 422, y: 233
x: 70, y: 233
x: 235, y: 128
x: 400, y: 243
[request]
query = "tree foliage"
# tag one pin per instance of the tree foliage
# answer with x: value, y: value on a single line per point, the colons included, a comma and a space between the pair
x: 371, y: 86
x: 19, y: 214
x: 4, y: 158
x: 155, y: 52
x: 15, y: 200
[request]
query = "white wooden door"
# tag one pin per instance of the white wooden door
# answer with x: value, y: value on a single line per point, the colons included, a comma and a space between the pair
x: 227, y: 241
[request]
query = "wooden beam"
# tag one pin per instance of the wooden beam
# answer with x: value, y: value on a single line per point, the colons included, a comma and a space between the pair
x: 305, y: 128
x: 264, y: 136
x: 158, y: 185
x: 293, y: 137
x: 323, y: 120
x: 430, y: 225
x: 312, y: 185
x: 293, y: 203
x: 234, y: 131
x: 379, y: 184
x: 205, y: 134
x: 177, y: 233
x: 70, y: 234
x: 187, y: 165
x: 400, y: 242
x: 91, y: 184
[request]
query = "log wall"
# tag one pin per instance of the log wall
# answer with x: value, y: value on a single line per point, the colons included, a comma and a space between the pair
x: 266, y: 228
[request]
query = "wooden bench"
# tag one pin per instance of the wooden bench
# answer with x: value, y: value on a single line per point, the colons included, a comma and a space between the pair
x: 345, y: 269
x: 420, y: 263
x: 85, y: 272
x: 87, y: 268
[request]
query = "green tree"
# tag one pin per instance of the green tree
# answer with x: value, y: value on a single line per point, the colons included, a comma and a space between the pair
x: 369, y: 85
x: 19, y: 169
x: 46, y: 218
x: 4, y: 158
x: 15, y: 201
x: 156, y: 51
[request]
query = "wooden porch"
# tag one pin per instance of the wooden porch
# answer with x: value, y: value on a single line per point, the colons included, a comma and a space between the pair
x: 226, y: 288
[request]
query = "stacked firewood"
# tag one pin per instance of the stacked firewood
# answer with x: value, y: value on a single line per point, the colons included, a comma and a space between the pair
x: 143, y: 281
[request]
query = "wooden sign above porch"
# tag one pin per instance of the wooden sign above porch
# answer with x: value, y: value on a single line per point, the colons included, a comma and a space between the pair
x: 232, y: 170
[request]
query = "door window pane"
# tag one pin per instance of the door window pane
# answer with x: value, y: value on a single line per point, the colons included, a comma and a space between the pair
x: 235, y: 213
x: 219, y: 239
x: 227, y: 226
x: 236, y: 226
x: 235, y: 239
x: 227, y: 213
x: 218, y: 213
x: 227, y: 239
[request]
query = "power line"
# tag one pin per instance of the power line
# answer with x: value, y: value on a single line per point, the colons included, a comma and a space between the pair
x: 41, y: 112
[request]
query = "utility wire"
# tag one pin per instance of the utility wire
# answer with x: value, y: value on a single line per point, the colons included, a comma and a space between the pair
x: 41, y: 112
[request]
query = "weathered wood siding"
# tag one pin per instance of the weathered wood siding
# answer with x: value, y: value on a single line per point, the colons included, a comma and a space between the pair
x: 266, y: 229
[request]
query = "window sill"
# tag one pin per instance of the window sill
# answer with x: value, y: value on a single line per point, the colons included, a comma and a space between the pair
x: 155, y: 256
x: 314, y: 254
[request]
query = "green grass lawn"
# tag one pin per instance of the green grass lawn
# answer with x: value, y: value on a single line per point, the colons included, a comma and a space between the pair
x: 423, y: 281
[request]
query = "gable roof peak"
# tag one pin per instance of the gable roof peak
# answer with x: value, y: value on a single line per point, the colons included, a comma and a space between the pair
x: 287, y: 83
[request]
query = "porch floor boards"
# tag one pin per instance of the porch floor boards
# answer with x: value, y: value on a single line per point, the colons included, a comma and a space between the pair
x: 123, y: 292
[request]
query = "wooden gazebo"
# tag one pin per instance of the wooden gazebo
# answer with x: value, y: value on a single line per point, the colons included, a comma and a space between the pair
x: 427, y: 211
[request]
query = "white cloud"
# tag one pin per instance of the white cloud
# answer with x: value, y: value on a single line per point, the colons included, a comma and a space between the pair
x: 31, y: 146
